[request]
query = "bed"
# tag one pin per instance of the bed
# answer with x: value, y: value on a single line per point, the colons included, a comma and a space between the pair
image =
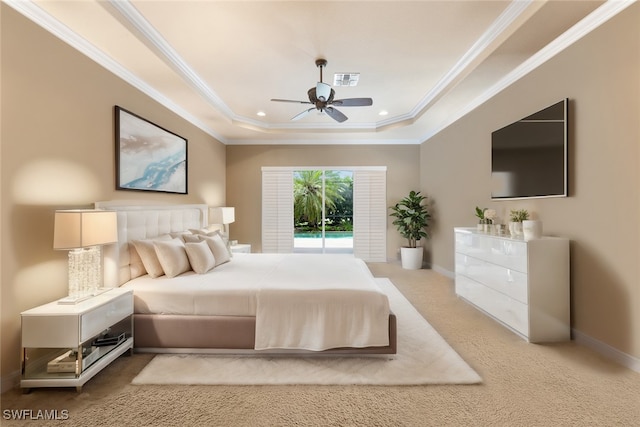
x: 251, y: 304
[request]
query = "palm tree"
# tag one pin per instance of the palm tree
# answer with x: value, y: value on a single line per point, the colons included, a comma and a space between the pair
x: 307, y: 195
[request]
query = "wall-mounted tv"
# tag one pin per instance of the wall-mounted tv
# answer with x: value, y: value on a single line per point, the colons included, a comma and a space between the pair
x: 529, y: 157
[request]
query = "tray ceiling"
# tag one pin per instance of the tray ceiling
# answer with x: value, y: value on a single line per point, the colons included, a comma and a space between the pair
x: 219, y: 63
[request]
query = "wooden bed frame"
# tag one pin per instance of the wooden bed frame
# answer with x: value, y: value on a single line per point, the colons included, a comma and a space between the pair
x: 160, y: 333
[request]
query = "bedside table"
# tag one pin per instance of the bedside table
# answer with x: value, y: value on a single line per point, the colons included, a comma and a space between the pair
x: 240, y: 248
x: 66, y: 345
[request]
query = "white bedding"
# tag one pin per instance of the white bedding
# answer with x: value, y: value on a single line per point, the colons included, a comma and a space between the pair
x: 301, y: 301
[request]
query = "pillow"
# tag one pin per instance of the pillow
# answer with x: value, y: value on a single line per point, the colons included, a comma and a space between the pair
x: 204, y: 232
x: 200, y: 256
x: 218, y: 247
x: 147, y: 254
x: 136, y: 267
x: 175, y: 234
x: 172, y: 256
x: 190, y: 238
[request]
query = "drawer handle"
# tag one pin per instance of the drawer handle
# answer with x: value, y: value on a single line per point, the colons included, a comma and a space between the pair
x: 510, y: 276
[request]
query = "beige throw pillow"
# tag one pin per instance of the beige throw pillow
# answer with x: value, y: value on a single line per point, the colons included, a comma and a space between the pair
x: 172, y: 256
x: 200, y: 256
x: 218, y: 247
x: 148, y: 255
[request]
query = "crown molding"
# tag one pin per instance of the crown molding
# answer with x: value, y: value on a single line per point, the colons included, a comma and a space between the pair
x: 35, y: 13
x: 164, y: 50
x: 585, y: 26
x: 480, y: 47
x: 296, y: 141
x: 145, y: 29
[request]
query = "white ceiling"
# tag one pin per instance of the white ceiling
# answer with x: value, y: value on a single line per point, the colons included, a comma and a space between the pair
x: 218, y: 63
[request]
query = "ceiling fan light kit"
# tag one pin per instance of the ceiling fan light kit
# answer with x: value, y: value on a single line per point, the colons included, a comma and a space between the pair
x: 322, y: 98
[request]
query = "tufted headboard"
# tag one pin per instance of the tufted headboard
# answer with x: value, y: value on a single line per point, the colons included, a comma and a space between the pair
x: 140, y: 221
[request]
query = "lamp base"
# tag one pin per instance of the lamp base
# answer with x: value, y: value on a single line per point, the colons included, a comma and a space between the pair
x: 74, y: 300
x: 79, y: 298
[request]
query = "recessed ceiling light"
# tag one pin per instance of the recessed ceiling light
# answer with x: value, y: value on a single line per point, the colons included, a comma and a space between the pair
x: 261, y: 113
x: 383, y: 113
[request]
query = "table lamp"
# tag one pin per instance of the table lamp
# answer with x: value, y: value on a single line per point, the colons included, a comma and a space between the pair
x: 224, y: 216
x: 82, y: 232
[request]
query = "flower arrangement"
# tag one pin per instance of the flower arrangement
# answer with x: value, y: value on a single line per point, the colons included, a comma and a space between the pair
x: 485, y: 215
x: 519, y: 215
x: 489, y: 215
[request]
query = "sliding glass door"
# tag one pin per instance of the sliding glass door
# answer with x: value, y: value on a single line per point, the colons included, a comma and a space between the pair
x: 323, y: 211
x: 337, y: 210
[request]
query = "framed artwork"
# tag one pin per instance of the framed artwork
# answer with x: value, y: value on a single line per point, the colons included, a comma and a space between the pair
x: 148, y: 157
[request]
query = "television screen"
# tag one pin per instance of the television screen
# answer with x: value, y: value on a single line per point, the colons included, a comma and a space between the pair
x: 529, y: 157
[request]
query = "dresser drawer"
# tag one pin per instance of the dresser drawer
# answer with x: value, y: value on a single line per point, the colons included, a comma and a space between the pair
x: 507, y: 310
x: 504, y: 280
x: 505, y: 252
x: 96, y: 321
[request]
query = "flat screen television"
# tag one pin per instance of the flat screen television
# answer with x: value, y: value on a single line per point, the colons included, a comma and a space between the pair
x: 529, y: 157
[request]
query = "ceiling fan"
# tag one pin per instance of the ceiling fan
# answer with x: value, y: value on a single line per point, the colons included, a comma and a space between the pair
x: 321, y: 97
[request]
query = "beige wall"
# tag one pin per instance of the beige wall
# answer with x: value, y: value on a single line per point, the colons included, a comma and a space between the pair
x: 601, y: 76
x: 57, y: 151
x: 244, y: 184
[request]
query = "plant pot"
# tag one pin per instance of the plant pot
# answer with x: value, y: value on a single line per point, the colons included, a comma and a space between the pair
x: 515, y: 229
x: 411, y: 258
x: 532, y: 229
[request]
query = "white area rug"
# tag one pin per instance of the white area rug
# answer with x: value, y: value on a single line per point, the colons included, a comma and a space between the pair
x: 423, y: 357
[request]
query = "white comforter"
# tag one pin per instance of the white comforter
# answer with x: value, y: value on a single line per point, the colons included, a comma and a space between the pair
x: 301, y: 301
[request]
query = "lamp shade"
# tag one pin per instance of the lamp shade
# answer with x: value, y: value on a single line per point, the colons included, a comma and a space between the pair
x: 83, y: 228
x: 222, y: 215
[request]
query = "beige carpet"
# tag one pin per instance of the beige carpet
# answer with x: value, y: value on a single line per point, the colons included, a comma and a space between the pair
x: 424, y: 357
x: 532, y: 385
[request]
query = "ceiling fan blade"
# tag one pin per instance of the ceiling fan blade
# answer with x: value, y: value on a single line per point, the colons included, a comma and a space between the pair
x: 301, y: 115
x: 323, y: 91
x: 353, y: 102
x: 335, y: 114
x: 290, y: 100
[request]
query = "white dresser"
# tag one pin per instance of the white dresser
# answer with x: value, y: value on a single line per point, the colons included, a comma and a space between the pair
x: 522, y: 284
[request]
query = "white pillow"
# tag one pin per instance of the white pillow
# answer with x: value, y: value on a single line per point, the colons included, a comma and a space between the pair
x: 218, y: 247
x: 172, y: 256
x: 190, y: 238
x: 148, y: 255
x: 200, y: 256
x: 136, y: 267
x: 204, y: 232
x: 175, y: 234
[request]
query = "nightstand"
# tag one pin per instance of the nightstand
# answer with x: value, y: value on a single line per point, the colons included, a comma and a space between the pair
x: 240, y: 248
x: 65, y: 345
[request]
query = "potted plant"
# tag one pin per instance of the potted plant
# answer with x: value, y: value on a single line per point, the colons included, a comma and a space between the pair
x: 481, y: 219
x: 486, y: 217
x: 516, y: 217
x: 411, y: 221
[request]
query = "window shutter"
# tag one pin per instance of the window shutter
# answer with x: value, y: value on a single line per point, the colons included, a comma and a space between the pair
x: 277, y: 211
x: 370, y: 215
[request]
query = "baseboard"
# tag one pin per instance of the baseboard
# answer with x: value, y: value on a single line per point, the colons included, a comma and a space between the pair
x: 581, y: 338
x: 9, y: 382
x: 443, y: 271
x: 606, y: 350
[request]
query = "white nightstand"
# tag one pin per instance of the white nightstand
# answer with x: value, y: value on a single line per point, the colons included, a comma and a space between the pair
x: 240, y: 248
x: 59, y: 347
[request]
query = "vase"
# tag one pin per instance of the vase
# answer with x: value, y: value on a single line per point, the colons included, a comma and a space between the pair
x: 532, y: 229
x: 515, y: 229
